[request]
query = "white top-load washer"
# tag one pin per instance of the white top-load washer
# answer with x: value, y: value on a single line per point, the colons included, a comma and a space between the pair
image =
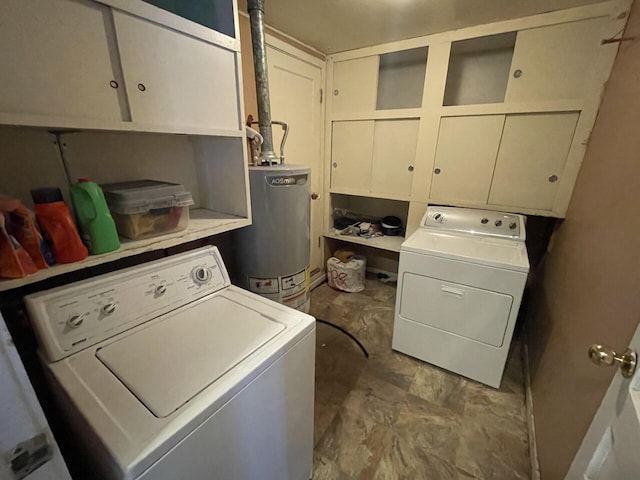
x: 167, y: 371
x: 460, y: 283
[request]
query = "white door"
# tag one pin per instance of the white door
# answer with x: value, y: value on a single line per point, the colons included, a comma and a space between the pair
x: 294, y: 86
x: 610, y: 447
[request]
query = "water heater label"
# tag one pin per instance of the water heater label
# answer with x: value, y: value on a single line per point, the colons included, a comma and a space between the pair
x: 263, y: 285
x: 286, y: 180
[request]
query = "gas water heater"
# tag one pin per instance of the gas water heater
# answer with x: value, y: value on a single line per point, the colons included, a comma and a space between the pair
x: 273, y: 253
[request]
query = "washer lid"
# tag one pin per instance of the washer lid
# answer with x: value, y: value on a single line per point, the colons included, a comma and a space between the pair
x: 495, y: 252
x: 171, y: 361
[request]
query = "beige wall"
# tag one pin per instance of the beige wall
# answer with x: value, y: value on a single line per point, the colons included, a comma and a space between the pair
x: 588, y: 289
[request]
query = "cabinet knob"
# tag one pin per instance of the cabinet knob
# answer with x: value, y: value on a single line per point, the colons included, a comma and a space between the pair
x: 410, y: 168
x: 113, y: 84
x: 336, y: 92
x: 141, y: 87
x: 517, y: 73
x: 335, y: 165
x: 314, y: 196
x: 437, y: 171
x: 553, y: 178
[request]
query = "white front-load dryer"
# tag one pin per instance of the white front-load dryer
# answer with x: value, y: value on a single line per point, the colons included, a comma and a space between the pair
x: 167, y: 371
x: 460, y: 283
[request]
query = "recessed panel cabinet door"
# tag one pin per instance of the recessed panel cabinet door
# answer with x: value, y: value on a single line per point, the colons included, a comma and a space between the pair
x: 174, y: 79
x: 56, y: 60
x: 531, y: 159
x: 355, y: 85
x: 465, y: 158
x: 351, y: 150
x: 394, y: 153
x: 554, y: 62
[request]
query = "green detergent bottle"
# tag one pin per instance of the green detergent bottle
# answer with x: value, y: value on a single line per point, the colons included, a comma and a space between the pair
x: 96, y: 224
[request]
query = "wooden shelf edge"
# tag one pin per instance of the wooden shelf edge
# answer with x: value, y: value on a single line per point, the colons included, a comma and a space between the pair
x: 87, y: 124
x: 384, y: 243
x: 203, y: 223
x: 383, y: 196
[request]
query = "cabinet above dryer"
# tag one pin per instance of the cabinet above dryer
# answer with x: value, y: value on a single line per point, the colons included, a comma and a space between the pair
x: 503, y: 112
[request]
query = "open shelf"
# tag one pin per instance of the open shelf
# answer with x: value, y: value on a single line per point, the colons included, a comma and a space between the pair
x: 203, y: 223
x: 385, y: 243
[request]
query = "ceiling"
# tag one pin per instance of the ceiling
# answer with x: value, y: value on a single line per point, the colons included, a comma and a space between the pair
x: 333, y: 26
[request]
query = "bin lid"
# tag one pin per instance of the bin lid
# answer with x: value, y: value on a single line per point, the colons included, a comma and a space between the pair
x: 139, y: 196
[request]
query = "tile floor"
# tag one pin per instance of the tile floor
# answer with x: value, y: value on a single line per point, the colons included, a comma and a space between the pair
x: 393, y: 417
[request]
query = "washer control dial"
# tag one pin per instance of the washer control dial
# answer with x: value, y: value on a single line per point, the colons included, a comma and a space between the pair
x: 498, y: 223
x: 161, y: 289
x: 484, y: 221
x: 201, y: 275
x: 513, y: 225
x: 108, y: 309
x: 438, y: 217
x: 75, y: 321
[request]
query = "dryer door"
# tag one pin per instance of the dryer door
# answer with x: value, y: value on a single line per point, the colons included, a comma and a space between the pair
x: 471, y: 312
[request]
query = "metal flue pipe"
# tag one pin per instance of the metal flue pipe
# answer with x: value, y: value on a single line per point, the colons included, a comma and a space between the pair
x: 256, y: 16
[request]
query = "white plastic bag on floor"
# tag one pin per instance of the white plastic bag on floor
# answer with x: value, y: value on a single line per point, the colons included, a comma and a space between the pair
x: 349, y: 276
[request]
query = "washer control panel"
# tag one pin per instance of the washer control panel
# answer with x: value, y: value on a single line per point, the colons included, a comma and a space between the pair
x: 70, y: 318
x: 475, y: 222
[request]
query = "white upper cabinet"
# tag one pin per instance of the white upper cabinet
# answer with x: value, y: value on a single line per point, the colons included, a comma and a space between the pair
x: 554, y: 62
x: 355, y: 84
x: 83, y: 64
x: 175, y: 79
x: 465, y: 158
x: 374, y: 158
x: 351, y: 151
x: 58, y: 59
x: 531, y: 159
x: 394, y: 153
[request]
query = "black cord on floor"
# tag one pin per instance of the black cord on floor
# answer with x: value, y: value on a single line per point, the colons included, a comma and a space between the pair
x: 364, y: 350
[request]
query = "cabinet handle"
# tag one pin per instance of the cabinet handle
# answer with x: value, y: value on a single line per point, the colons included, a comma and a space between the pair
x: 113, y: 84
x: 336, y: 92
x: 437, y: 171
x: 141, y: 87
x: 517, y: 73
x: 410, y: 168
x: 335, y: 165
x: 553, y: 178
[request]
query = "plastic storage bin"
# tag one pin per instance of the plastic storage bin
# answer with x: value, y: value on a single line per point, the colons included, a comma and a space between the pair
x: 147, y: 208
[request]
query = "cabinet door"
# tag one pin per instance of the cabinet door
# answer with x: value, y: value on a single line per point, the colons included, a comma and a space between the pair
x: 176, y: 80
x: 465, y: 158
x: 56, y: 60
x: 394, y: 153
x: 531, y: 159
x: 355, y: 84
x: 554, y: 61
x: 351, y: 150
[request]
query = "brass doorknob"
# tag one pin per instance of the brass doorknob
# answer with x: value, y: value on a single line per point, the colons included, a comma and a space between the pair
x: 606, y: 356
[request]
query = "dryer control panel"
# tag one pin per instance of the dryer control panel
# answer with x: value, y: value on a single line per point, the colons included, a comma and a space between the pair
x: 475, y: 222
x: 73, y: 317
